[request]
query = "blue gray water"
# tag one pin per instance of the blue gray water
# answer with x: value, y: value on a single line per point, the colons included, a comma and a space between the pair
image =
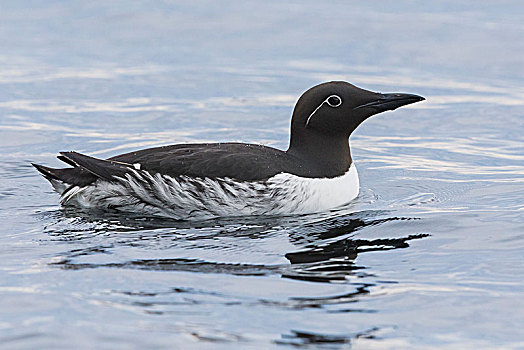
x: 431, y: 255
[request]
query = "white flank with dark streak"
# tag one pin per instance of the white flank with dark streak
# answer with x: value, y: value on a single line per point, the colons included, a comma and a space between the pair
x: 185, y: 197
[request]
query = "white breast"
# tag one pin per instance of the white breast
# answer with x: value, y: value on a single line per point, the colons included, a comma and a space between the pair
x: 184, y: 197
x: 309, y: 195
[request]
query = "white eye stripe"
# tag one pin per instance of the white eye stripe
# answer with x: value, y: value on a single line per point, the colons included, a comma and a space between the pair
x: 335, y: 102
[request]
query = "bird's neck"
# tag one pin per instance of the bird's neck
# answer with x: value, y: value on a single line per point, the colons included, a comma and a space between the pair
x: 326, y: 156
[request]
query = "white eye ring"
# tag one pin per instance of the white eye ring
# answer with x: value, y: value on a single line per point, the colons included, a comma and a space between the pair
x: 330, y: 104
x: 336, y: 104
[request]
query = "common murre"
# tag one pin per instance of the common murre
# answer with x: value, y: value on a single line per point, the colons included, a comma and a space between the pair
x: 232, y: 179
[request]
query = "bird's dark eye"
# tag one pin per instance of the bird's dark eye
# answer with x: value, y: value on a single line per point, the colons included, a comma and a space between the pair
x: 334, y: 101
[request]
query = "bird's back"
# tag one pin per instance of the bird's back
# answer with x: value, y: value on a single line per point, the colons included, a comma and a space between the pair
x: 239, y: 161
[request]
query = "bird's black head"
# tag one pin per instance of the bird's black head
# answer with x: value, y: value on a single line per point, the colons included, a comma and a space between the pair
x: 336, y: 108
x: 327, y: 114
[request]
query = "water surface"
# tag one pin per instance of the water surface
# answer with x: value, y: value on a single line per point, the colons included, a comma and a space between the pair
x: 429, y: 256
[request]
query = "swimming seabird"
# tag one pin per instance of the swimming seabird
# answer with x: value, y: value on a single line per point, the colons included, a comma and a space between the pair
x: 207, y: 180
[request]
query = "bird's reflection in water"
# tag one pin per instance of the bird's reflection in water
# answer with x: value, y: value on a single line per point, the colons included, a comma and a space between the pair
x: 329, y: 251
x: 326, y: 247
x: 325, y: 251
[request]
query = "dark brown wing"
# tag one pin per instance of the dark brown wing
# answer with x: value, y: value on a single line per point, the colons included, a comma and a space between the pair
x: 245, y: 162
x: 235, y: 160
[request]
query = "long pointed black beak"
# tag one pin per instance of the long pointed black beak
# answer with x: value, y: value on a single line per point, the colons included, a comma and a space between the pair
x: 389, y: 102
